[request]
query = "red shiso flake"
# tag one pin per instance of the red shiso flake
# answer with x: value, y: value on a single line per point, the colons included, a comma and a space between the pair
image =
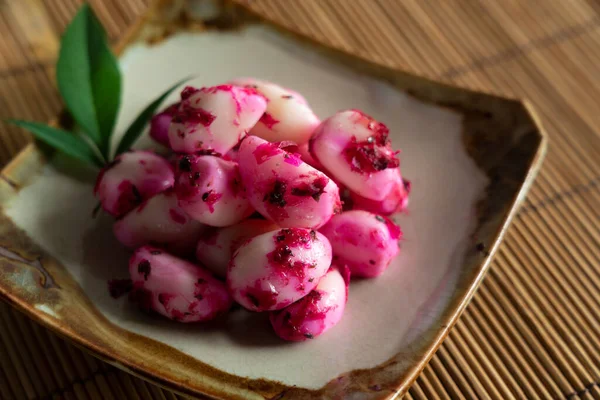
x: 313, y: 189
x: 129, y: 198
x: 260, y: 297
x: 370, y: 155
x: 188, y: 92
x: 395, y: 232
x: 108, y: 166
x: 210, y: 198
x: 268, y: 120
x: 373, y: 154
x: 265, y: 151
x: 292, y: 159
x: 172, y: 109
x: 215, y: 89
x: 277, y: 195
x: 144, y: 268
x: 165, y: 298
x: 407, y: 185
x: 308, y: 310
x: 281, y: 258
x: 188, y: 114
x: 184, y: 112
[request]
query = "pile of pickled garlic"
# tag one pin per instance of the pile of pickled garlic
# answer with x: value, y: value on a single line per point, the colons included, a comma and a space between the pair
x: 258, y: 203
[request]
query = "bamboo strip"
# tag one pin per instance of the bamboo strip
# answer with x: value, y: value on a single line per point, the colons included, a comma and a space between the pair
x: 13, y: 352
x: 531, y: 330
x: 482, y: 383
x: 12, y: 370
x: 561, y: 315
x: 426, y: 388
x: 489, y: 377
x: 525, y: 349
x: 432, y: 384
x: 104, y: 387
x: 416, y: 392
x: 449, y: 384
x: 494, y: 356
x: 4, y: 384
x: 42, y: 337
x: 115, y: 385
x: 128, y: 386
x: 547, y: 334
x: 459, y: 375
x: 25, y: 355
x: 492, y: 80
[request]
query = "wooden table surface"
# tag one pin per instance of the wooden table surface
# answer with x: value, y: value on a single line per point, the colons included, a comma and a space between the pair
x: 533, y: 329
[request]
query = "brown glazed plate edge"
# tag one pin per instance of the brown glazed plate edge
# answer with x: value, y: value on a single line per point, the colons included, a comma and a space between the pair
x: 509, y: 125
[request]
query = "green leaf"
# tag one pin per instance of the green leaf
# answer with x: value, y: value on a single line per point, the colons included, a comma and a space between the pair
x: 106, y: 81
x: 137, y: 126
x: 88, y: 77
x: 62, y: 140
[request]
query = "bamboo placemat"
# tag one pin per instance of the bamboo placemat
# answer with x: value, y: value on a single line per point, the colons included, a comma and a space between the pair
x: 533, y: 329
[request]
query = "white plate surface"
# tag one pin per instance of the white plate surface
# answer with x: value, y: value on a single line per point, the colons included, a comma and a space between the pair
x: 383, y: 315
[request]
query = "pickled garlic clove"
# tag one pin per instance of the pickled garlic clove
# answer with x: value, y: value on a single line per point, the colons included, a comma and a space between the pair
x: 395, y: 201
x: 275, y: 269
x: 285, y: 189
x: 159, y: 124
x: 317, y: 312
x: 287, y: 117
x: 130, y: 179
x: 175, y: 288
x: 217, y: 245
x: 214, y: 118
x: 209, y: 189
x: 159, y: 221
x: 363, y: 241
x: 355, y: 150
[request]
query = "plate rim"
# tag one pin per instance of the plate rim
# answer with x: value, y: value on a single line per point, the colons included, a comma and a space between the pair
x: 454, y: 310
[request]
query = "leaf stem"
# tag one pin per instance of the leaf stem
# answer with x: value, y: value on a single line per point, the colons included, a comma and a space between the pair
x: 137, y: 126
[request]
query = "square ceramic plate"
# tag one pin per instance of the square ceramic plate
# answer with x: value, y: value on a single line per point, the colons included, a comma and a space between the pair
x: 470, y: 156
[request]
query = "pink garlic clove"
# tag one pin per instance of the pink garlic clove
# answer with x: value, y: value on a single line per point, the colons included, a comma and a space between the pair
x: 355, y: 151
x: 214, y: 118
x: 131, y: 178
x: 254, y: 83
x: 365, y: 242
x: 175, y: 288
x: 159, y: 124
x: 159, y: 221
x: 316, y: 313
x: 275, y: 269
x: 209, y: 189
x: 395, y: 201
x: 216, y: 246
x: 285, y: 189
x: 288, y: 116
